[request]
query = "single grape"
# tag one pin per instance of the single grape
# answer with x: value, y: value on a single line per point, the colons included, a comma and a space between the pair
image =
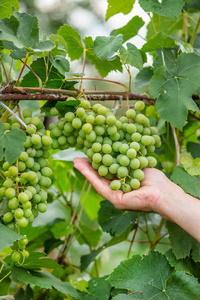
x: 113, y: 168
x: 139, y: 105
x: 42, y: 207
x: 76, y: 123
x: 111, y: 120
x: 46, y: 171
x: 90, y: 119
x: 152, y: 162
x: 6, y: 166
x: 95, y: 165
x: 96, y: 147
x: 103, y: 170
x: 27, y: 113
x: 23, y: 197
x: 136, y: 137
x: 16, y: 257
x: 13, y: 171
x: 135, y: 183
x: 87, y: 128
x: 19, y: 213
x: 107, y: 160
x: 143, y: 161
x: 131, y: 153
x: 124, y: 161
x: 43, y: 195
x: 131, y: 128
x: 27, y: 213
x: 126, y: 188
x: 111, y: 130
x: 46, y: 140
x: 23, y: 222
x: 99, y: 130
x: 97, y: 157
x: 130, y: 113
x: 102, y: 110
x: 10, y: 193
x: 146, y: 140
x: 122, y: 172
x: 31, y: 129
x: 138, y: 174
x: 8, y: 217
x: 13, y: 203
x: 106, y: 148
x: 85, y: 104
x: 134, y: 163
x: 8, y: 183
x: 115, y: 185
x: 100, y: 120
x: 123, y: 148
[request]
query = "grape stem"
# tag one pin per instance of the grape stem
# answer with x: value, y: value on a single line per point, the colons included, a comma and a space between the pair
x: 14, y: 114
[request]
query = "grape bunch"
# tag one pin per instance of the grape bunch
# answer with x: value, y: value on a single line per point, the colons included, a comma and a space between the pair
x: 117, y: 148
x: 23, y: 191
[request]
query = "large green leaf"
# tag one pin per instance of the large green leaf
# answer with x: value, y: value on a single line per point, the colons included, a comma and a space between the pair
x: 164, y: 24
x: 152, y: 276
x: 8, y: 236
x: 194, y: 149
x: 190, y: 184
x: 182, y: 243
x: 71, y: 40
x: 103, y: 66
x: 60, y: 63
x: 22, y: 31
x: 143, y: 77
x: 157, y: 41
x: 131, y: 56
x: 173, y: 88
x: 44, y: 280
x: 105, y: 47
x: 6, y: 8
x: 191, y: 166
x: 87, y: 235
x: 55, y: 78
x: 130, y: 29
x: 62, y: 229
x: 117, y: 6
x: 168, y: 8
x: 113, y: 220
x: 11, y: 143
x: 99, y: 288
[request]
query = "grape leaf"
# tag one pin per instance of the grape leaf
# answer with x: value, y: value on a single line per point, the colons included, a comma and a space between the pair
x: 131, y: 56
x: 99, y: 288
x: 113, y: 220
x: 174, y: 88
x: 8, y: 236
x: 43, y: 279
x: 23, y: 32
x: 135, y: 295
x: 192, y: 6
x: 118, y: 6
x: 159, y: 40
x: 190, y: 184
x: 130, y: 29
x: 103, y: 66
x: 61, y: 229
x: 164, y: 24
x: 86, y: 235
x: 6, y: 8
x: 60, y: 63
x: 165, y: 56
x: 182, y: 243
x: 143, y: 77
x: 191, y: 166
x: 105, y: 47
x: 70, y: 39
x: 153, y: 277
x: 55, y: 78
x: 24, y: 295
x: 64, y: 107
x: 194, y: 149
x: 11, y: 143
x: 168, y: 8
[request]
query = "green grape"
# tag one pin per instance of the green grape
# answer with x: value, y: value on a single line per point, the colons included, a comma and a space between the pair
x: 87, y: 144
x: 76, y: 123
x: 25, y: 253
x: 123, y: 119
x: 97, y: 157
x: 23, y: 197
x: 116, y: 146
x: 43, y: 195
x: 152, y: 162
x: 68, y: 128
x: 42, y: 162
x: 99, y: 139
x: 115, y: 185
x: 91, y: 137
x: 116, y: 137
x: 124, y: 161
x: 138, y: 174
x: 35, y: 121
x: 27, y: 213
x: 36, y: 167
x: 16, y: 257
x: 69, y: 116
x: 54, y: 111
x: 27, y: 113
x: 109, y: 176
x: 131, y: 153
x: 29, y: 162
x: 21, y: 166
x: 90, y: 119
x: 146, y: 140
x: 8, y: 217
x: 100, y: 120
x: 82, y: 134
x: 87, y: 128
x: 130, y: 113
x: 46, y: 140
x: 6, y: 166
x: 24, y: 241
x: 139, y: 105
x: 36, y: 198
x: 28, y: 142
x: 13, y: 203
x: 36, y: 139
x: 10, y: 193
x: 135, y: 183
x: 19, y: 213
x: 95, y: 107
x: 111, y: 120
x: 62, y: 140
x: 143, y: 161
x: 102, y: 110
x: 16, y: 125
x: 107, y: 160
x: 46, y: 171
x: 126, y: 188
x: 95, y: 165
x: 108, y: 141
x: 113, y: 168
x: 106, y: 148
x: 8, y: 183
x: 85, y: 104
x: 42, y: 207
x: 46, y: 154
x: 80, y: 141
x: 13, y: 171
x: 80, y: 112
x: 128, y: 137
x: 6, y: 126
x: 23, y: 222
x: 31, y: 129
x: 131, y: 128
x: 32, y: 189
x: 146, y: 131
x: 150, y: 149
x: 136, y: 137
x: 111, y: 130
x: 60, y: 125
x: 39, y: 153
x: 134, y: 163
x: 103, y: 170
x: 122, y: 172
x: 118, y: 124
x: 27, y: 204
x: 55, y: 132
x: 123, y: 148
x: 96, y: 147
x: 140, y: 119
x: 139, y: 127
x: 99, y: 130
x: 154, y: 130
x: 31, y: 152
x: 143, y: 151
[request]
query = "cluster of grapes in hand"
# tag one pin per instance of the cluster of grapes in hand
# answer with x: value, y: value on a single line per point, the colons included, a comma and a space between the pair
x: 117, y: 149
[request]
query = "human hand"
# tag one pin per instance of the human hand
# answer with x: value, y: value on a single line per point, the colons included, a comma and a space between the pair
x: 156, y: 193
